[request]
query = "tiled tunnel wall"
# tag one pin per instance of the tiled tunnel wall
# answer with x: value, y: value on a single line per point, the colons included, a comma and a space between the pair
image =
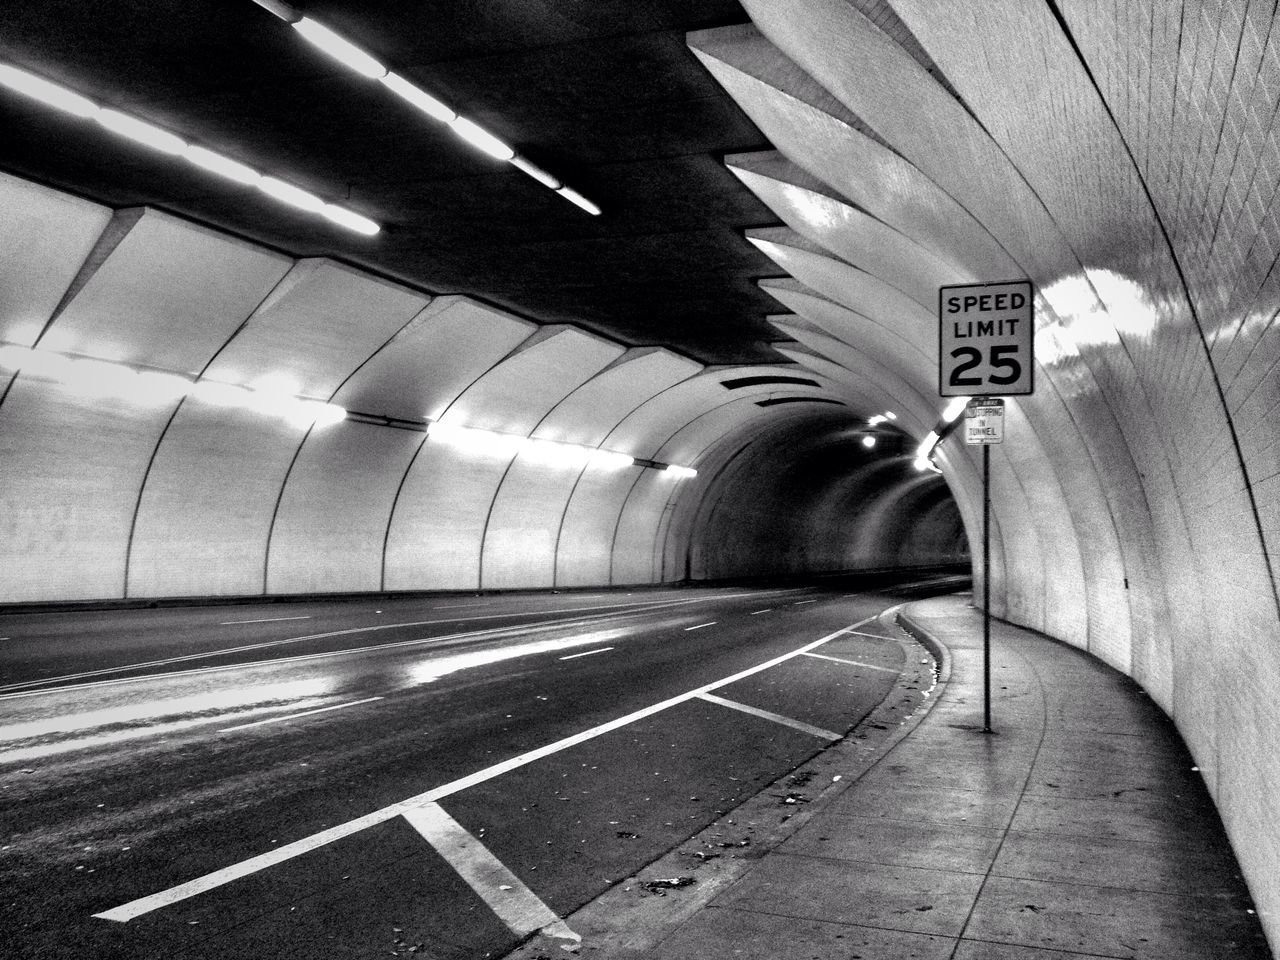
x: 1126, y: 158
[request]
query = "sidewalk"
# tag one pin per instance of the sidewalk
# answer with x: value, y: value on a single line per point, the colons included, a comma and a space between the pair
x: 1078, y: 830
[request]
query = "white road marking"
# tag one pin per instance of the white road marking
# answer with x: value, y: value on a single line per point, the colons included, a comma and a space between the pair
x: 756, y: 613
x: 770, y: 715
x: 863, y: 633
x: 711, y: 623
x: 639, y: 606
x: 211, y: 881
x: 574, y: 656
x: 295, y: 716
x: 798, y: 602
x: 227, y: 623
x: 515, y: 904
x: 856, y: 663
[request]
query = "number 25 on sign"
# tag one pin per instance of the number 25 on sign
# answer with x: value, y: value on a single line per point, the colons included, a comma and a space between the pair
x: 986, y: 336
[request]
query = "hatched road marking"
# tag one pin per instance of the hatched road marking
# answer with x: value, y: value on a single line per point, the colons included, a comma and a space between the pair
x: 856, y: 663
x: 515, y: 904
x: 211, y: 881
x: 775, y: 717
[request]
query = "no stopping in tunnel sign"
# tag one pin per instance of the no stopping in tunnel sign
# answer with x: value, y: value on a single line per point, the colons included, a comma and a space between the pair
x: 986, y: 339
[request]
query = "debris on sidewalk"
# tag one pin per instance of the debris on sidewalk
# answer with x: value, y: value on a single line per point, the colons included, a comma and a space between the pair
x: 670, y: 883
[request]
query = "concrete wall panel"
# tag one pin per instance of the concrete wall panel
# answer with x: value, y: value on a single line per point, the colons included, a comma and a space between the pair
x: 168, y: 294
x: 451, y: 343
x: 435, y: 538
x: 332, y: 519
x: 532, y: 497
x: 205, y: 513
x: 47, y: 236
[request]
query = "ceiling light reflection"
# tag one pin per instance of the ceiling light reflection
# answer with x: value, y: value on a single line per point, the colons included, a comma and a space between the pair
x: 419, y: 98
x: 222, y: 166
x: 432, y: 669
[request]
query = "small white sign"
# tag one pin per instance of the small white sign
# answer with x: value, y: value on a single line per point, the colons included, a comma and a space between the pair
x: 984, y: 422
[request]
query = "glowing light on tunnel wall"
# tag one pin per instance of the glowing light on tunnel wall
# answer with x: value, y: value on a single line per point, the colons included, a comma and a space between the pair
x: 955, y: 408
x: 1099, y: 306
x: 551, y: 453
x: 164, y: 141
x: 105, y: 379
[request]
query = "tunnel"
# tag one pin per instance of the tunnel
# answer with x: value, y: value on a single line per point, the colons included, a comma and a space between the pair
x: 698, y: 344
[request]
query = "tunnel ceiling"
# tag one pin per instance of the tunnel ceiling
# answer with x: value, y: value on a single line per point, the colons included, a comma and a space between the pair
x: 603, y: 93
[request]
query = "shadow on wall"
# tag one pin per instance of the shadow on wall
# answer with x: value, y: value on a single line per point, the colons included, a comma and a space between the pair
x: 824, y: 504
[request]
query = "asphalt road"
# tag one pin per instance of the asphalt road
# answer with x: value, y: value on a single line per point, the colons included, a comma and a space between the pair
x: 433, y: 776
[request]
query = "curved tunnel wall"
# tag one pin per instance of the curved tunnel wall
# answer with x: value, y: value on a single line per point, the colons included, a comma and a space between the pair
x: 1128, y: 166
x: 113, y: 492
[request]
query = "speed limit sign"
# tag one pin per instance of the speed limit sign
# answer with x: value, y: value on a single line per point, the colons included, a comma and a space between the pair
x: 986, y: 334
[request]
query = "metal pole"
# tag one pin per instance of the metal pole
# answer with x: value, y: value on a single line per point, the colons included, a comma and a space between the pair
x: 986, y: 589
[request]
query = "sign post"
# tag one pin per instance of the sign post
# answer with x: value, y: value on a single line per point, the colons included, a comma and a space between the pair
x: 986, y: 345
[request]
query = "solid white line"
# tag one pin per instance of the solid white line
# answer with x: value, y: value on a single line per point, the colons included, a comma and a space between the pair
x: 227, y: 623
x: 574, y: 656
x: 620, y: 609
x: 211, y: 881
x: 701, y: 625
x: 294, y: 716
x: 515, y: 904
x: 756, y: 613
x: 798, y: 602
x: 856, y: 663
x: 770, y: 715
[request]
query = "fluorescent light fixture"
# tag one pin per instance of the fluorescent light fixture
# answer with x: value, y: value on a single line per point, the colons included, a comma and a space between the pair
x: 293, y: 196
x: 50, y: 94
x: 101, y: 378
x: 222, y: 166
x: 141, y: 131
x: 955, y: 408
x: 349, y: 219
x: 921, y: 463
x: 340, y: 48
x: 533, y: 170
x: 418, y: 97
x: 890, y: 415
x: 574, y: 197
x: 679, y: 473
x: 156, y: 387
x: 868, y: 442
x: 554, y: 454
x: 875, y: 421
x: 927, y: 444
x: 481, y: 138
x: 48, y: 365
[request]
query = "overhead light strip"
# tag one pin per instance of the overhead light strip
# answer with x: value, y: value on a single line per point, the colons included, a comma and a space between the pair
x: 366, y: 65
x: 164, y: 141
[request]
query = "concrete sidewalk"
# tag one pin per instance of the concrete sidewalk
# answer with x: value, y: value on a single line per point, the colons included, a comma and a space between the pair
x: 1080, y: 829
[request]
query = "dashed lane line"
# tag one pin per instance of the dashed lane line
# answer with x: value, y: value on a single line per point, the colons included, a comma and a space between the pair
x: 228, y: 623
x: 799, y: 602
x: 515, y: 904
x: 756, y: 613
x: 770, y: 715
x: 295, y: 716
x: 211, y: 881
x: 710, y: 623
x: 856, y: 663
x: 575, y: 656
